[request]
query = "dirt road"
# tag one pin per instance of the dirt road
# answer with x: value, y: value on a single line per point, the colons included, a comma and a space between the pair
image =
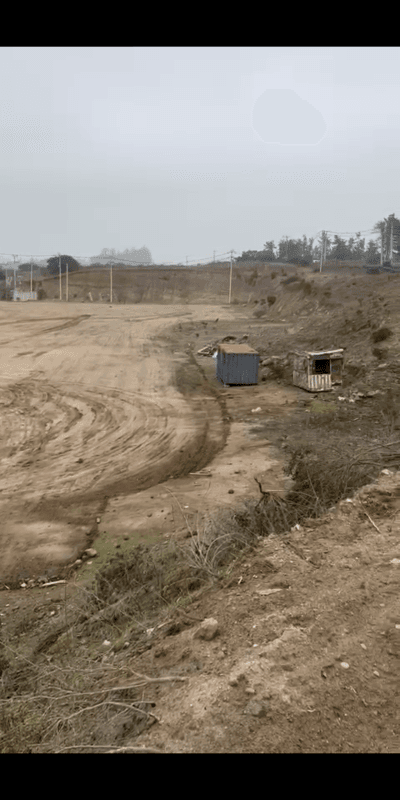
x: 92, y: 419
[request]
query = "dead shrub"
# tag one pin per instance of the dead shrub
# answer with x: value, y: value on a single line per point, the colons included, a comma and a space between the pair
x: 380, y: 353
x: 321, y: 480
x: 260, y: 312
x: 217, y: 541
x: 356, y: 370
x: 306, y: 287
x: 276, y: 371
x: 271, y: 299
x: 381, y: 334
x: 292, y: 279
x: 251, y: 279
x: 388, y: 408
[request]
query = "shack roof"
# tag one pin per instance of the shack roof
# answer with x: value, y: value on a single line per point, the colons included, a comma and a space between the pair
x: 313, y: 353
x: 236, y: 348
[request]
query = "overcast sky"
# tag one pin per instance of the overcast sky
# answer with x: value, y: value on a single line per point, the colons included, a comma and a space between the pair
x: 191, y: 150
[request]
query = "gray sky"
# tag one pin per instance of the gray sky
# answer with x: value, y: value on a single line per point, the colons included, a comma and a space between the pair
x: 191, y: 150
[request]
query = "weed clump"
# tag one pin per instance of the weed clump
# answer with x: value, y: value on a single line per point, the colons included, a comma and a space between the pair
x: 291, y: 279
x: 381, y: 334
x: 277, y: 371
x: 260, y: 312
x: 306, y: 287
x: 320, y: 481
x: 380, y: 353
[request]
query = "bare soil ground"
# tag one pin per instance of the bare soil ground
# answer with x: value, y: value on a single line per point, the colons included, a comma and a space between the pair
x: 118, y: 436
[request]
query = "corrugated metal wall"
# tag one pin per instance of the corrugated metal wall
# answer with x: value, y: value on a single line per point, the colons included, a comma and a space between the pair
x: 319, y: 383
x: 237, y: 368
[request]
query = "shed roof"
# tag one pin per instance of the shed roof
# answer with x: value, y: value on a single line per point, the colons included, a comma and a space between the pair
x: 329, y: 353
x: 236, y: 348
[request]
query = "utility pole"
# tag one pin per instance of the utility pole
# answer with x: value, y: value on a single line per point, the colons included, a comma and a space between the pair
x: 230, y: 279
x: 382, y: 246
x: 14, y: 257
x: 59, y: 267
x: 111, y: 284
x: 31, y: 273
x: 391, y: 244
x: 67, y: 284
x: 322, y: 249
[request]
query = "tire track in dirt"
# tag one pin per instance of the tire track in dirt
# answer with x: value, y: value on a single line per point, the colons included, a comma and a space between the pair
x: 71, y: 323
x: 100, y: 429
x: 96, y: 418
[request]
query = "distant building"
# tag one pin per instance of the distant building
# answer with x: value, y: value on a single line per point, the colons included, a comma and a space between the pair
x: 17, y: 294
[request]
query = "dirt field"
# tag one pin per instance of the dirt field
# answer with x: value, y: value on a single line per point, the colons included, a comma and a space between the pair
x: 116, y: 433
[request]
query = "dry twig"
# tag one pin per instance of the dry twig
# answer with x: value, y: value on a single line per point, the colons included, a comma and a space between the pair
x: 371, y: 520
x: 126, y: 749
x: 130, y: 706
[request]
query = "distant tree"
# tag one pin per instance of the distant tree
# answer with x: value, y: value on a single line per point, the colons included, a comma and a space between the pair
x: 269, y: 250
x: 372, y: 254
x: 2, y: 276
x: 307, y: 249
x: 340, y: 250
x: 248, y: 255
x: 292, y: 251
x: 108, y: 252
x: 359, y: 248
x: 26, y: 267
x: 53, y: 264
x: 128, y: 257
x: 385, y: 228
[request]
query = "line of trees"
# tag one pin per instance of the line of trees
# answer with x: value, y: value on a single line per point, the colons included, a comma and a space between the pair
x: 108, y: 257
x: 303, y: 251
x: 136, y: 256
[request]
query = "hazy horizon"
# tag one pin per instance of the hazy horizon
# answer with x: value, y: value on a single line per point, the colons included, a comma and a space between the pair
x: 187, y: 151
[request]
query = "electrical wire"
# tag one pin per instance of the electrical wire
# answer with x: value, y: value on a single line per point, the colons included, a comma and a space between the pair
x: 119, y: 260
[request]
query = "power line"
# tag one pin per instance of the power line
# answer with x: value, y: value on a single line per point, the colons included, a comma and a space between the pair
x: 350, y: 233
x: 115, y: 258
x: 208, y: 259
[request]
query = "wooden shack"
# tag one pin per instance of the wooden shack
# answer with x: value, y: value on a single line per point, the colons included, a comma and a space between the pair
x: 318, y: 371
x: 237, y: 364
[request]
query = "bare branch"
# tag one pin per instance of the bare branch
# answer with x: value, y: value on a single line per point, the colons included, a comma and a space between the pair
x: 126, y: 749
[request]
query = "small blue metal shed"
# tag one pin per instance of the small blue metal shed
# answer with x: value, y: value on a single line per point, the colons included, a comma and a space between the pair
x: 237, y: 364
